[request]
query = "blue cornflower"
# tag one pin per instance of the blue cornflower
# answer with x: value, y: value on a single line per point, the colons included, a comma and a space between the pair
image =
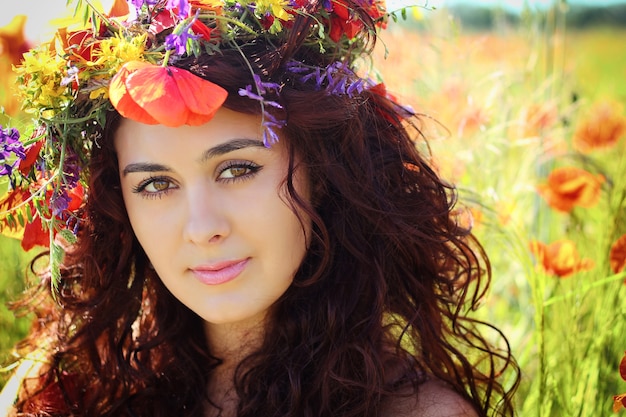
x: 10, y: 144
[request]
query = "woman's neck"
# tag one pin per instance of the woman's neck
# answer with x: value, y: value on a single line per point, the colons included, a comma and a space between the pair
x: 232, y: 342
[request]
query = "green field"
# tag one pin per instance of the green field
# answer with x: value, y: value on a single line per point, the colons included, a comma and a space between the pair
x: 507, y: 107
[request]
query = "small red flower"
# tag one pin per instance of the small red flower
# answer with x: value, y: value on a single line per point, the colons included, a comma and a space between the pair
x: 560, y: 258
x: 619, y: 401
x: 32, y: 153
x: 153, y: 94
x: 344, y: 21
x: 617, y: 256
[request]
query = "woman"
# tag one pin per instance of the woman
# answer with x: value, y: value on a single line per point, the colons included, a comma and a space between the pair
x: 256, y: 234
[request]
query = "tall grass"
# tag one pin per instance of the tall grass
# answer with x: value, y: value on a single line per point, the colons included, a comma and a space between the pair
x: 508, y: 105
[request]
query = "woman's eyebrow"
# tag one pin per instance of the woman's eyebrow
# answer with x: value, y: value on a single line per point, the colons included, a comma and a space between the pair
x: 144, y: 167
x: 232, y: 145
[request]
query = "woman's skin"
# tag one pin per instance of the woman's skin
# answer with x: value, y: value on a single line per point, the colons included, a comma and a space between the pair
x: 211, y: 217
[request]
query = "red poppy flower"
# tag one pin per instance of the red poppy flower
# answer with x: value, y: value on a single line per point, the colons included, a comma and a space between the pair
x: 603, y: 129
x: 153, y: 94
x: 570, y: 186
x: 619, y: 401
x: 617, y: 256
x: 560, y: 258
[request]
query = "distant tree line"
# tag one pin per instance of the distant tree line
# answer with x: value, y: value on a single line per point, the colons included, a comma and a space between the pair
x: 577, y: 16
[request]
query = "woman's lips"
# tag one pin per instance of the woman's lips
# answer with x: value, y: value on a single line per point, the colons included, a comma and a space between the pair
x: 220, y: 272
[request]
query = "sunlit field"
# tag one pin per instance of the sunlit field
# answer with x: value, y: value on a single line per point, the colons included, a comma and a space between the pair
x: 529, y: 123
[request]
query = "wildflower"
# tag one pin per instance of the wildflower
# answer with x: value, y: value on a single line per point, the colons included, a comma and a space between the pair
x: 343, y: 23
x: 619, y: 401
x: 181, y: 36
x: 181, y: 7
x: 40, y: 75
x: 79, y: 45
x: 560, y: 258
x: 538, y: 118
x: 31, y: 153
x: 116, y: 51
x: 154, y: 94
x: 10, y: 144
x: 617, y: 256
x: 602, y: 129
x: 570, y: 186
x: 71, y: 78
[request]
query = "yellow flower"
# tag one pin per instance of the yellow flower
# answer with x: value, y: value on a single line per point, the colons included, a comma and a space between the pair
x: 275, y: 7
x: 40, y: 77
x: 116, y: 51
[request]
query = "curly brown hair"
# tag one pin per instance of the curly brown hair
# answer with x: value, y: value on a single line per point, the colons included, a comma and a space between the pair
x: 381, y: 301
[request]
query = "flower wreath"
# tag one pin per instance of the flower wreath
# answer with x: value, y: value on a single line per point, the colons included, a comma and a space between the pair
x: 125, y: 59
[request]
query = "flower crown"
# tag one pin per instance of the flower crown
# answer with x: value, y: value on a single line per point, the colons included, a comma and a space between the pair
x: 126, y: 59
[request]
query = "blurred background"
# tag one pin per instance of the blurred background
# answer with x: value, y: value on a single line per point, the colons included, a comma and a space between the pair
x: 523, y: 106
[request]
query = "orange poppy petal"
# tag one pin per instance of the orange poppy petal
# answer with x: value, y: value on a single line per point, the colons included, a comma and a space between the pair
x: 203, y: 98
x: 153, y: 89
x: 120, y: 98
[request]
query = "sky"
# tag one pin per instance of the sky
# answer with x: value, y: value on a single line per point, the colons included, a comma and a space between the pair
x: 40, y: 12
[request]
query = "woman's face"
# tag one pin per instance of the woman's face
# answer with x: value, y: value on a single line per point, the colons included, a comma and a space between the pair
x: 205, y: 204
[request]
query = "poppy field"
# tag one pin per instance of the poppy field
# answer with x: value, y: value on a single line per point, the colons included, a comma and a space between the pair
x: 529, y: 123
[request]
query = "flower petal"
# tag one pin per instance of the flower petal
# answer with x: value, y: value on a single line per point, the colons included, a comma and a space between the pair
x: 121, y: 99
x: 203, y: 98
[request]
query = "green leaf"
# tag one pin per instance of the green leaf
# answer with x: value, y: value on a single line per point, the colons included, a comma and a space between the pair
x: 68, y: 236
x: 20, y: 218
x: 56, y: 258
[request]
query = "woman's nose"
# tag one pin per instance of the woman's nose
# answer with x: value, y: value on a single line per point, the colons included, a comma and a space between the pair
x: 206, y: 220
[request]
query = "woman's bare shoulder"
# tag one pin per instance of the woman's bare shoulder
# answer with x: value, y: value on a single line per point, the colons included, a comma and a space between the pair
x: 433, y: 399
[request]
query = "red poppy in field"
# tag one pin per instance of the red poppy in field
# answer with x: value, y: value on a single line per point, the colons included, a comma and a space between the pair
x: 560, y: 258
x: 603, y: 129
x: 619, y: 401
x: 571, y: 186
x: 153, y: 94
x: 617, y: 256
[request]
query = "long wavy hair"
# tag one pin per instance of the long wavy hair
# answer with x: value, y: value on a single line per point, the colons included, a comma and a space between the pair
x: 380, y: 302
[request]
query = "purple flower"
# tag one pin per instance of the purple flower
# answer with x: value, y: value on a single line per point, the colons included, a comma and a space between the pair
x: 270, y: 123
x: 182, y: 5
x: 10, y: 144
x: 71, y: 169
x: 72, y: 75
x: 179, y: 38
x: 139, y: 3
x: 59, y: 202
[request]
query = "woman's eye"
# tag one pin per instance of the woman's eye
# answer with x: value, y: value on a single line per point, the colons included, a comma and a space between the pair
x: 154, y: 186
x: 158, y: 185
x: 238, y: 170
